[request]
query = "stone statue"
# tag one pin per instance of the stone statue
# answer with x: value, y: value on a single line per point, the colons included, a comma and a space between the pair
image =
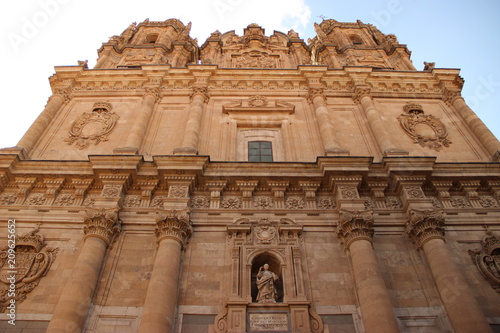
x: 265, y: 284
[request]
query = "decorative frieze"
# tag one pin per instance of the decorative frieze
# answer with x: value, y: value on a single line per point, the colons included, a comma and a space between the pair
x: 263, y: 202
x: 132, y: 201
x: 230, y: 202
x: 32, y: 261
x: 325, y: 202
x: 294, y: 202
x: 65, y: 199
x: 7, y: 198
x: 355, y: 225
x: 102, y: 223
x: 173, y: 224
x: 425, y: 225
x: 199, y: 201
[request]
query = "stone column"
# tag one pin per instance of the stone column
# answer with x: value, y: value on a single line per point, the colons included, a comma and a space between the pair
x: 192, y: 132
x: 477, y: 126
x: 172, y: 232
x: 141, y: 121
x: 326, y: 129
x: 355, y: 230
x: 101, y: 226
x: 378, y: 126
x: 426, y: 229
x: 34, y: 133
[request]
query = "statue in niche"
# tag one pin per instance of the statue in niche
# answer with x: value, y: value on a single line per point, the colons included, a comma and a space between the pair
x: 265, y: 284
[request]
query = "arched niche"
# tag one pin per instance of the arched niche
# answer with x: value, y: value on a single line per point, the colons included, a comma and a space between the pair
x: 275, y: 266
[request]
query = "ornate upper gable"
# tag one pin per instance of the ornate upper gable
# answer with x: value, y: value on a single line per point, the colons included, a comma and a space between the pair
x: 148, y: 43
x: 255, y: 50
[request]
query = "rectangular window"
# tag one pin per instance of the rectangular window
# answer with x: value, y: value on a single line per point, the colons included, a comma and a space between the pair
x: 260, y: 151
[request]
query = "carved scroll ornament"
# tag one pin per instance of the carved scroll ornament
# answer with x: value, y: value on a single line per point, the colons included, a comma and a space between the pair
x: 92, y: 127
x: 32, y: 262
x: 487, y: 260
x: 426, y: 130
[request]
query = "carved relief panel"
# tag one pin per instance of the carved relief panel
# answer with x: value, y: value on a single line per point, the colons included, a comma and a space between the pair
x: 21, y: 273
x: 93, y: 127
x: 426, y: 130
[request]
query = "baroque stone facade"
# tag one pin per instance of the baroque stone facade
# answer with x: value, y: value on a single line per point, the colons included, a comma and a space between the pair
x: 253, y: 183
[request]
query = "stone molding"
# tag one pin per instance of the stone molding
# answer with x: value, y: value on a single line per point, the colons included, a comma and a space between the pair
x: 173, y: 224
x: 424, y: 225
x: 355, y: 225
x: 102, y: 223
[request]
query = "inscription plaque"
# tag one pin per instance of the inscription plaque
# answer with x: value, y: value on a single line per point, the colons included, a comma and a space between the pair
x: 268, y: 322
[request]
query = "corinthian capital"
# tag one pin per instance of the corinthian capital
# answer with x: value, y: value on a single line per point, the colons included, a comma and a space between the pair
x: 355, y: 225
x: 425, y: 225
x: 102, y: 223
x: 201, y: 91
x: 360, y: 92
x: 315, y: 92
x: 174, y: 224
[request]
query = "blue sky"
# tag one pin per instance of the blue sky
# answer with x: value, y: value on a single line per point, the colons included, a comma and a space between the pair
x: 36, y: 35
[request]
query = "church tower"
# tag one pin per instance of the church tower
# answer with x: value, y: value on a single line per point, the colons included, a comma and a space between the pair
x: 258, y: 182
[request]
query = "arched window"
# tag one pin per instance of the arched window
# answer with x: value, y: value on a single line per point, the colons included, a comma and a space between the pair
x: 151, y: 38
x: 356, y: 40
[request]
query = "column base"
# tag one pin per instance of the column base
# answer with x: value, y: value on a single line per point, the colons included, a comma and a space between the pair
x: 396, y: 152
x: 126, y: 151
x: 185, y: 151
x: 337, y: 152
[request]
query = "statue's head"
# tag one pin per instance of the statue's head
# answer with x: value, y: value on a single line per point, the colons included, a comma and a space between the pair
x: 266, y: 267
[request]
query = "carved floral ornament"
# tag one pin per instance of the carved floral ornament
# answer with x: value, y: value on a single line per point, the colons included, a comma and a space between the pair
x: 102, y: 223
x: 93, y: 127
x: 487, y: 259
x: 426, y: 130
x: 173, y: 224
x: 355, y: 225
x: 32, y: 261
x: 425, y: 225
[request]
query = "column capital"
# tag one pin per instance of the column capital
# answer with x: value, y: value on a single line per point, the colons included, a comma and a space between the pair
x: 424, y: 225
x: 173, y: 224
x: 153, y: 91
x: 361, y: 91
x: 450, y: 96
x: 102, y: 223
x: 63, y: 93
x: 315, y: 92
x: 200, y: 91
x: 355, y: 225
